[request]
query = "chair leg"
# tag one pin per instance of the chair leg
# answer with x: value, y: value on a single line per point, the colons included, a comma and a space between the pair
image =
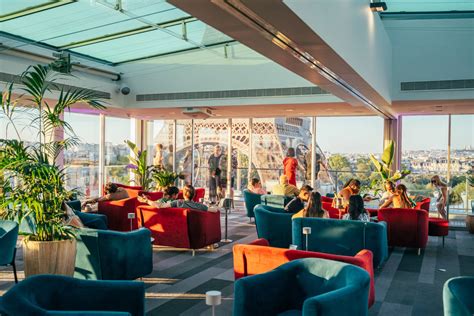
x: 14, y: 266
x: 443, y: 241
x: 194, y: 252
x: 419, y: 251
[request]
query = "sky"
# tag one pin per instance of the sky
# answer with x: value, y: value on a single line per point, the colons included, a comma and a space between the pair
x: 334, y: 134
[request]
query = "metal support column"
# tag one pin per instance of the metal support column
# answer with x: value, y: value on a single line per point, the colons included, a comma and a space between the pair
x: 448, y: 173
x: 313, y: 152
x: 250, y: 151
x: 175, y: 124
x: 229, y: 159
x: 101, y: 153
x: 192, y: 152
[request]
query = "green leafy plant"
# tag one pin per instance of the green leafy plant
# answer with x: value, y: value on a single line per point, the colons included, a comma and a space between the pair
x: 32, y: 183
x: 138, y: 166
x: 383, y: 168
x: 164, y: 178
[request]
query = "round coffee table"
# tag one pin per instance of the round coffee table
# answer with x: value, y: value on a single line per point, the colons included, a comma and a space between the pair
x: 470, y: 223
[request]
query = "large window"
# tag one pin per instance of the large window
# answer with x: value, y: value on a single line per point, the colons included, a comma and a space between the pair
x: 160, y: 143
x: 183, y: 149
x: 424, y: 151
x: 82, y: 161
x: 462, y: 163
x: 23, y: 129
x: 117, y: 130
x: 347, y: 143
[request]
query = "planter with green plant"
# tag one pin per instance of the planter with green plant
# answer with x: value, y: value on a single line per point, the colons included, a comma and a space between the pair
x: 164, y: 178
x: 138, y: 166
x: 383, y: 168
x: 33, y: 183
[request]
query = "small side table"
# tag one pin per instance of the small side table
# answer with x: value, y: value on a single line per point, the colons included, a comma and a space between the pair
x: 470, y: 223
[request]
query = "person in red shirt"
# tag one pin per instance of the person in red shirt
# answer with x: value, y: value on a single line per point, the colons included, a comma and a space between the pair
x: 289, y: 166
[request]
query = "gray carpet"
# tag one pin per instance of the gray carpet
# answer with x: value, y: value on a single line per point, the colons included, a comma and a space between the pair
x: 407, y: 284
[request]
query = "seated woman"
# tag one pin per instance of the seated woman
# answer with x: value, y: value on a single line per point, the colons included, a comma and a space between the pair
x: 313, y: 209
x: 170, y: 194
x: 389, y: 192
x: 284, y: 188
x: 188, y: 195
x: 357, y: 211
x: 112, y: 193
x: 400, y: 199
x: 255, y: 186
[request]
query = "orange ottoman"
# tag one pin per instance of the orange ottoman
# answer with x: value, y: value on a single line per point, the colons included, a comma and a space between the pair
x: 438, y: 227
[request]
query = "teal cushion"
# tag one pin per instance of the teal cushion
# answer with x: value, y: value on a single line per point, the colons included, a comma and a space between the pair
x: 458, y: 296
x: 273, y: 224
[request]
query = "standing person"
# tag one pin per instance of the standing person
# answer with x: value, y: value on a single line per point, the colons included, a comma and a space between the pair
x: 313, y: 209
x: 357, y: 211
x: 158, y: 159
x: 215, y: 171
x: 442, y: 197
x: 399, y: 198
x: 290, y: 163
x: 308, y: 165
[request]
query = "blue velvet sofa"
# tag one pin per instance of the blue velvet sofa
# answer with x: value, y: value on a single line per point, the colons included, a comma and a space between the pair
x: 60, y: 295
x: 308, y: 286
x: 273, y: 224
x: 112, y: 255
x: 342, y: 237
x: 251, y: 200
x: 95, y: 221
x: 278, y: 201
x: 8, y: 238
x: 458, y: 294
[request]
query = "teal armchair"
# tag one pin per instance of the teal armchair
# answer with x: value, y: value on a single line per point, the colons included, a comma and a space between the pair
x: 60, y: 295
x: 273, y: 224
x: 458, y: 296
x: 305, y: 287
x: 95, y: 221
x: 8, y: 238
x: 278, y: 201
x: 251, y: 200
x: 342, y: 237
x: 113, y: 255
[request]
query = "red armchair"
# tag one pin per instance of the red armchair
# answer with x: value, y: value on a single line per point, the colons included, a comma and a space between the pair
x: 405, y: 227
x: 258, y: 257
x: 198, y: 194
x: 117, y: 213
x: 181, y: 228
x: 423, y: 204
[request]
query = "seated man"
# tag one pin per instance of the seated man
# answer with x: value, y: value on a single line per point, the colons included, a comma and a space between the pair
x: 188, y: 195
x: 297, y: 204
x: 112, y: 193
x: 284, y: 188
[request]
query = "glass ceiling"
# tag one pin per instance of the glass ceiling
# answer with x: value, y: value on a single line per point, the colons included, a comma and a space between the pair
x: 104, y: 31
x: 429, y: 5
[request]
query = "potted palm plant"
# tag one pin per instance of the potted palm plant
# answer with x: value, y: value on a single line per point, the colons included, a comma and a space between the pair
x: 33, y: 183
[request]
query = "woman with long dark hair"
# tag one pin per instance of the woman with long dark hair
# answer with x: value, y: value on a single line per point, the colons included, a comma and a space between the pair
x: 399, y: 199
x: 357, y: 210
x: 313, y: 208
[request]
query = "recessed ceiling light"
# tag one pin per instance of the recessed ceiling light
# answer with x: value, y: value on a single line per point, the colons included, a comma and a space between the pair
x: 172, y: 112
x: 301, y: 113
x: 329, y: 109
x: 218, y: 114
x: 289, y: 110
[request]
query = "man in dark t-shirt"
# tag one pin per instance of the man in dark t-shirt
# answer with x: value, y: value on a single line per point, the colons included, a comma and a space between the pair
x: 297, y: 204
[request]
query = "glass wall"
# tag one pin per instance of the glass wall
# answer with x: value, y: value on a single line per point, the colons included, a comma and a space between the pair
x: 23, y: 129
x: 117, y: 130
x: 82, y: 161
x: 184, y: 149
x: 160, y: 143
x: 424, y: 151
x: 462, y: 163
x: 346, y: 143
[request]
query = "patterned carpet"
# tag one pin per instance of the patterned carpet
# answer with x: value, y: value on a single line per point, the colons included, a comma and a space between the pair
x: 407, y: 284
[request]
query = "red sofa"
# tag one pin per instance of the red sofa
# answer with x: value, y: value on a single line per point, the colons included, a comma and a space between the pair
x: 258, y: 257
x: 333, y: 212
x: 181, y: 228
x: 326, y: 199
x: 198, y: 194
x: 405, y: 227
